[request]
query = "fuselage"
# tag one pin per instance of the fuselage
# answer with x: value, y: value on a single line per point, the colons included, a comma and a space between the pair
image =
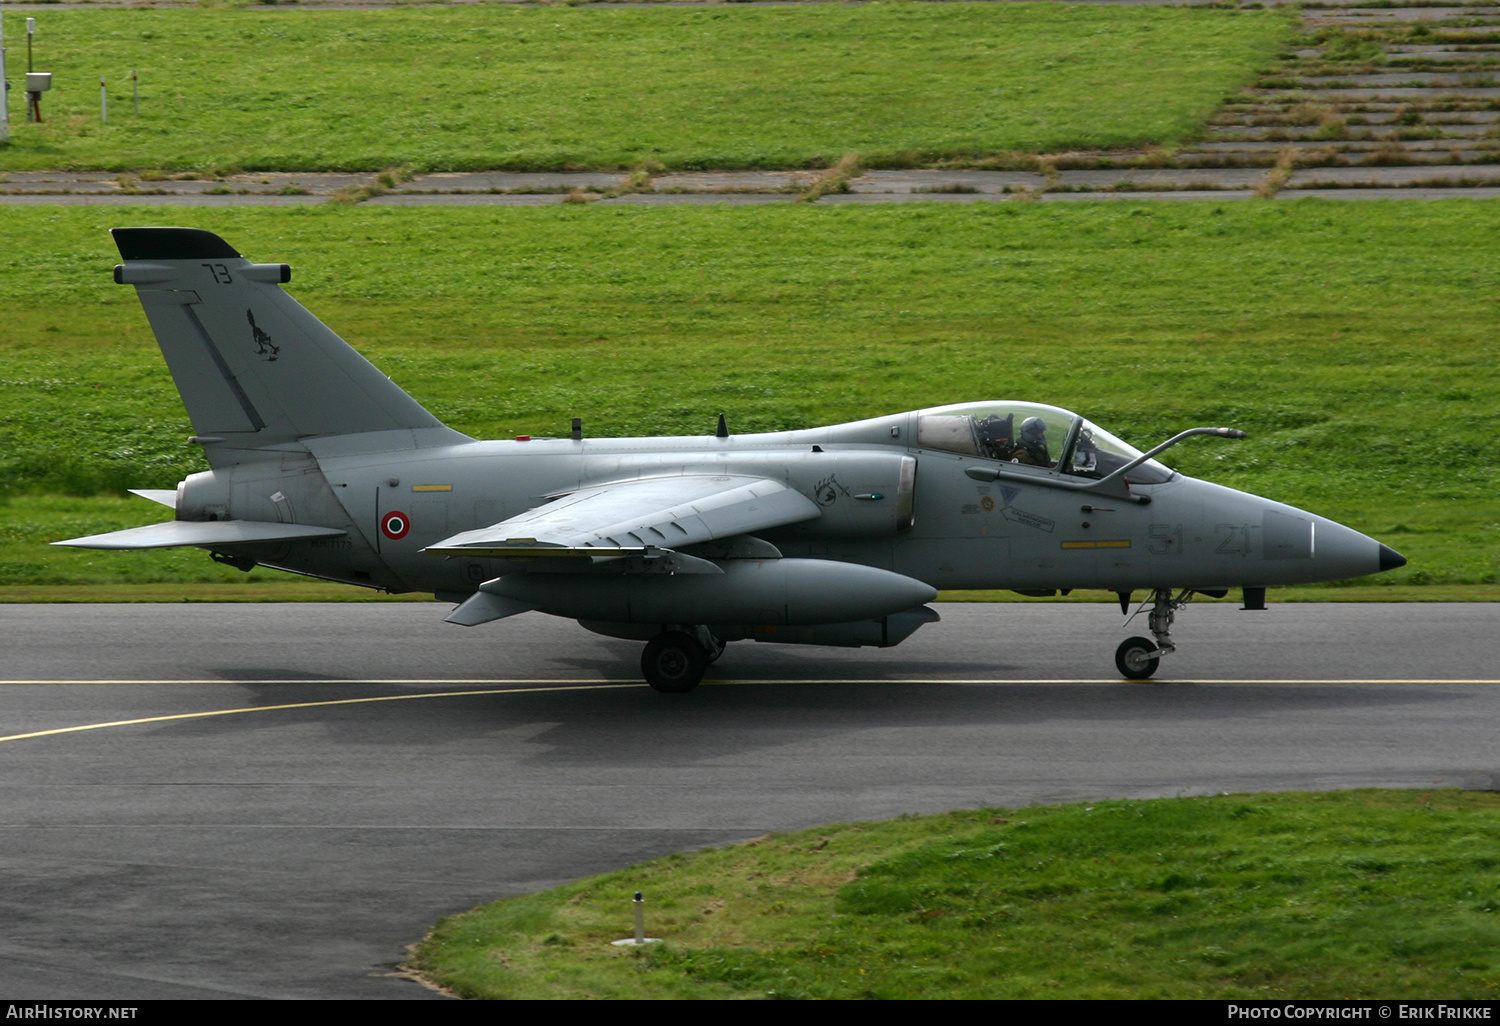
x: 886, y: 501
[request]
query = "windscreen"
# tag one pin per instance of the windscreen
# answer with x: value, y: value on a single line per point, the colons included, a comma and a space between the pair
x: 1097, y: 453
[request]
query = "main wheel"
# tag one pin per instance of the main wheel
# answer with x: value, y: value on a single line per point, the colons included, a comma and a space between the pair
x: 674, y: 662
x: 1132, y: 658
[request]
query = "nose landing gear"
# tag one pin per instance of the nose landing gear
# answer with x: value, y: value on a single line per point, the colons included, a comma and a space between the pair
x: 1137, y: 658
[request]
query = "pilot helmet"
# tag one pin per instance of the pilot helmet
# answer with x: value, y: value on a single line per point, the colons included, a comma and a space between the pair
x: 1033, y: 429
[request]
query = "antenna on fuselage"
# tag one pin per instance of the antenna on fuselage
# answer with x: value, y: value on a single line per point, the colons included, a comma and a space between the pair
x: 723, y: 431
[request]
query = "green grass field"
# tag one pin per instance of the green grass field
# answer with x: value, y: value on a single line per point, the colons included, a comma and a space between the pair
x: 1354, y: 342
x: 1363, y: 894
x: 522, y: 87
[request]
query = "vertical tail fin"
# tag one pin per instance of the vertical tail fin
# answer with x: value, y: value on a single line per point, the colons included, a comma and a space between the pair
x: 255, y: 369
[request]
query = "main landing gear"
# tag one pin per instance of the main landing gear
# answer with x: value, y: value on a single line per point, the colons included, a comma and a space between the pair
x: 676, y: 659
x: 1137, y: 658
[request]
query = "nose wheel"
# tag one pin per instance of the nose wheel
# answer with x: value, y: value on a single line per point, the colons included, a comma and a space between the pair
x: 1137, y: 658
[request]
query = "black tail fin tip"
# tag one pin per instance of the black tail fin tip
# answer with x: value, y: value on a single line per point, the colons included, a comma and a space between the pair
x: 171, y: 244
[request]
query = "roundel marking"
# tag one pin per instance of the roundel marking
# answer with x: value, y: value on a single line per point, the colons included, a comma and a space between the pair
x: 394, y: 525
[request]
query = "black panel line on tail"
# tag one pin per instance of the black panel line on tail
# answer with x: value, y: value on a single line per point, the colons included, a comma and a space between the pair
x: 251, y: 413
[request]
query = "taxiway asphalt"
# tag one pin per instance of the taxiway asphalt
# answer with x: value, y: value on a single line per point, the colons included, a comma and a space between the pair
x: 273, y: 800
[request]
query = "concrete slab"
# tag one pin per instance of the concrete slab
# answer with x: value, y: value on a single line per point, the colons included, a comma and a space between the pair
x: 1368, y: 14
x: 128, y: 199
x: 1432, y: 49
x: 734, y: 199
x: 95, y: 182
x: 1476, y: 56
x: 511, y: 181
x: 1480, y: 34
x: 939, y: 182
x: 1430, y: 79
x: 1395, y: 177
x: 36, y: 177
x: 1180, y: 194
x: 917, y: 197
x: 1276, y: 106
x: 316, y: 185
x: 1339, y: 146
x: 61, y: 189
x: 1394, y: 194
x: 1451, y: 117
x: 734, y: 181
x: 1164, y: 178
x: 465, y: 199
x: 1401, y: 93
x: 1385, y: 131
x: 1428, y: 117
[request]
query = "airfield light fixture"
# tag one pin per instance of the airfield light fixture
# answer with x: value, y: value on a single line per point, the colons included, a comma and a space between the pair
x: 37, y: 83
x: 640, y: 926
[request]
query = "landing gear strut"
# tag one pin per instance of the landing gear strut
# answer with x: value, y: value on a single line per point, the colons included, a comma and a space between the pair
x: 675, y: 660
x: 1137, y: 658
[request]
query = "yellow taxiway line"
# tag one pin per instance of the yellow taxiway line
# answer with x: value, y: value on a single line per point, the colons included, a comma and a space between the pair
x: 273, y: 708
x: 515, y: 687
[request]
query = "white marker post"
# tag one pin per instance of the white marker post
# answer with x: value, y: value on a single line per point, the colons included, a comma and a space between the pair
x: 640, y: 927
x: 30, y: 31
x: 103, y: 103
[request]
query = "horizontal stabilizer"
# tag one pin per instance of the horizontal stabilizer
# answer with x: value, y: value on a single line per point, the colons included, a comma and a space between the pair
x: 165, y: 496
x: 482, y: 607
x: 215, y: 533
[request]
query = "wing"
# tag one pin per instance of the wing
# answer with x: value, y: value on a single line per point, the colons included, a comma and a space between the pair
x: 631, y: 517
x: 194, y: 532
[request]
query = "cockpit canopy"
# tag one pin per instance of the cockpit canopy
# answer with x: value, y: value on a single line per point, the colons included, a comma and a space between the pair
x: 1033, y: 435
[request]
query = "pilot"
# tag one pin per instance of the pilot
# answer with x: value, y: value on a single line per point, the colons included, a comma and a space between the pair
x: 1031, y: 447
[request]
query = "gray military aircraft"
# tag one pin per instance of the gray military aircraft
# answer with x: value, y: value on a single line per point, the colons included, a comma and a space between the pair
x: 840, y: 535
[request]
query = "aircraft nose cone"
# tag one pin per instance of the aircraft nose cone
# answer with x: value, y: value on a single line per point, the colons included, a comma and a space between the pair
x: 1390, y: 559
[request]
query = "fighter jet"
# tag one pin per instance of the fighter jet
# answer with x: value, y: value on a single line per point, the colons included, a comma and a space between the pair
x: 321, y: 465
